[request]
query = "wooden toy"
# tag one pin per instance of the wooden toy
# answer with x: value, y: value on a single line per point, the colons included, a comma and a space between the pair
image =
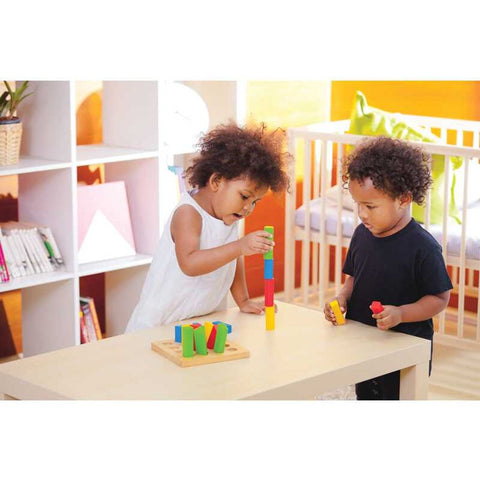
x: 268, y: 269
x: 270, y: 318
x: 376, y: 307
x: 208, y: 329
x: 200, y: 340
x: 269, y: 254
x: 187, y: 341
x: 173, y: 351
x: 178, y: 333
x: 229, y: 327
x: 194, y: 326
x: 269, y: 284
x: 211, y: 338
x: 337, y: 312
x: 194, y: 346
x: 269, y: 291
x: 220, y: 339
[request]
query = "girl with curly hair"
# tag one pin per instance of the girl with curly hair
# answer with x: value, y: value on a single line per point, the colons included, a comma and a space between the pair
x: 391, y: 258
x: 200, y: 257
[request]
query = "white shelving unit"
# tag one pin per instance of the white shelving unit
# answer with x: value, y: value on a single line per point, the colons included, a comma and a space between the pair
x: 47, y: 194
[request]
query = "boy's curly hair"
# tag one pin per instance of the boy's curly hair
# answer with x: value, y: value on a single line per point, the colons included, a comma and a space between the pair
x: 232, y: 152
x: 396, y: 167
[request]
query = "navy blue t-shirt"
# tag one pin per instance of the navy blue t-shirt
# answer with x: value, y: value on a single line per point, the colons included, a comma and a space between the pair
x: 395, y: 270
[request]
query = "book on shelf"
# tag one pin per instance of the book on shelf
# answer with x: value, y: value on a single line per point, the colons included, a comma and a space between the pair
x: 4, y: 275
x: 28, y: 249
x: 83, y: 328
x: 87, y: 306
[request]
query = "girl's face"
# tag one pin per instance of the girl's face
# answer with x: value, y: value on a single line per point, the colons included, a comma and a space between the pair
x: 379, y: 212
x: 235, y: 199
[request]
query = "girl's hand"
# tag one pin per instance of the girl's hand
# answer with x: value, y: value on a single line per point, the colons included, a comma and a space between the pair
x: 390, y: 317
x: 327, y: 309
x: 256, y: 242
x: 249, y: 306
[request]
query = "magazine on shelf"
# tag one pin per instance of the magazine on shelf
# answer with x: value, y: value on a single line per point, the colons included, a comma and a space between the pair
x: 87, y: 315
x: 87, y: 305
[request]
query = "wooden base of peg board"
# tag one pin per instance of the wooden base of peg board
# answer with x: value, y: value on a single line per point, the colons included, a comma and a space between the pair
x: 173, y: 351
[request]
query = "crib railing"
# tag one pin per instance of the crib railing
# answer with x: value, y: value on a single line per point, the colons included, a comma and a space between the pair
x: 320, y: 150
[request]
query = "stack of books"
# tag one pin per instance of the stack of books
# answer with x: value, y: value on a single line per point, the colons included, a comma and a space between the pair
x: 27, y: 249
x: 89, y: 324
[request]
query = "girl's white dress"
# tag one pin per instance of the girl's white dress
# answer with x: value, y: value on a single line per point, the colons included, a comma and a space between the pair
x: 169, y: 295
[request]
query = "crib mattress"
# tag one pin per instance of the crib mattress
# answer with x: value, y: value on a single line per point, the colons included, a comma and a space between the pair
x: 454, y: 231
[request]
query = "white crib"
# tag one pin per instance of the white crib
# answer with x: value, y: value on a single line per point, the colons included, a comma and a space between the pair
x: 324, y: 223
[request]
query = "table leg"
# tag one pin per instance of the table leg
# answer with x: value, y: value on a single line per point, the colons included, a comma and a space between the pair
x: 414, y: 382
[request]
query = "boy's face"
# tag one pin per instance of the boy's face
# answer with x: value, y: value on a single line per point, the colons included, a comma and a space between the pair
x: 235, y: 199
x: 380, y: 213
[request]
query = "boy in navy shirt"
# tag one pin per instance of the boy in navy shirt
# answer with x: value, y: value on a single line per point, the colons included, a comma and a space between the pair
x: 391, y: 258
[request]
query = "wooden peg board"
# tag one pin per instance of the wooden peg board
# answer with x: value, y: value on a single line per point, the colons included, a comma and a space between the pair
x: 173, y: 351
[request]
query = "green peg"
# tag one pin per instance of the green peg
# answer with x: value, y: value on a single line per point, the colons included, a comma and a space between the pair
x: 269, y: 254
x: 200, y: 340
x: 221, y: 338
x: 187, y: 341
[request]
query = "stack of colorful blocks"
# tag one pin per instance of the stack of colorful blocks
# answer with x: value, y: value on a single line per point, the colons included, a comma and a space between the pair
x: 269, y: 285
x: 199, y: 338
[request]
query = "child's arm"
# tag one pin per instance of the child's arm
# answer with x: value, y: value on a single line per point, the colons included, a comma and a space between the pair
x: 426, y: 307
x: 186, y: 228
x: 343, y: 297
x: 240, y: 291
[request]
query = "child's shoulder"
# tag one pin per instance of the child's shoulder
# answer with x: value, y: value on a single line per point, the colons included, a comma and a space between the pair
x: 421, y: 237
x: 186, y: 212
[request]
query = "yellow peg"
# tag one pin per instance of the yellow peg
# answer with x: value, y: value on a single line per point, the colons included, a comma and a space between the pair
x: 337, y: 312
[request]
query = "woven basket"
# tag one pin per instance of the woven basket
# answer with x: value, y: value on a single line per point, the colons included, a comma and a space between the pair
x: 10, y: 138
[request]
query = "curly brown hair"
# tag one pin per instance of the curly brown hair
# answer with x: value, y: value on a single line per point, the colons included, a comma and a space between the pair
x: 395, y: 166
x: 235, y: 152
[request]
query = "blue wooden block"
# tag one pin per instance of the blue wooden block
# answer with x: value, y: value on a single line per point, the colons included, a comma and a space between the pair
x: 229, y: 327
x: 178, y: 333
x: 268, y: 269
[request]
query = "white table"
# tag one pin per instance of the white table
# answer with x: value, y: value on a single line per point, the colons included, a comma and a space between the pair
x: 303, y: 357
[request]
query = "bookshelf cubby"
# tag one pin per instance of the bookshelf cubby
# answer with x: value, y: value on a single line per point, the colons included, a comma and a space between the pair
x: 132, y: 151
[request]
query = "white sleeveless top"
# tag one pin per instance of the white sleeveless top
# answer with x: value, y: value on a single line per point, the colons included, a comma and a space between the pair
x: 168, y: 294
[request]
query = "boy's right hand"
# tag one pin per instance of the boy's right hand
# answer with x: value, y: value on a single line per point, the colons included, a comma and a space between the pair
x: 327, y: 309
x: 256, y: 242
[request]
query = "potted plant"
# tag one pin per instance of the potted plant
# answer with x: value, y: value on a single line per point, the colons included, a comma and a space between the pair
x: 10, y: 124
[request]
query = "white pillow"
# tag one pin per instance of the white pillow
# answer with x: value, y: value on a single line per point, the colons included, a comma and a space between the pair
x: 347, y: 200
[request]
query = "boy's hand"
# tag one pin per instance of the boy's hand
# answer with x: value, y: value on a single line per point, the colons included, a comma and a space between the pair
x: 256, y: 242
x: 327, y: 309
x: 249, y: 306
x: 389, y: 318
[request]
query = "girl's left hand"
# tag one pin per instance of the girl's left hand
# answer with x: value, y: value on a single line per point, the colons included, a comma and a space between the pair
x: 390, y: 317
x: 249, y: 306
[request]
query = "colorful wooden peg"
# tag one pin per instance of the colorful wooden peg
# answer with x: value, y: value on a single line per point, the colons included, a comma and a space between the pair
x: 211, y: 338
x: 270, y: 318
x: 208, y: 329
x: 200, y: 340
x: 221, y: 338
x: 268, y: 269
x: 187, y: 341
x: 269, y: 254
x: 376, y: 307
x: 337, y: 312
x: 229, y: 327
x: 178, y: 333
x: 269, y: 291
